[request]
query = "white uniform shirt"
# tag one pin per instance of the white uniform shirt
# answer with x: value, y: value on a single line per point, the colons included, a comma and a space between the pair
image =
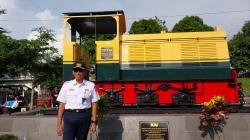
x: 78, y: 96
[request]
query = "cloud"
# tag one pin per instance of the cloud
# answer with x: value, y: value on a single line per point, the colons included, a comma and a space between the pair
x: 46, y: 15
x: 59, y: 40
x: 8, y: 4
x: 32, y: 35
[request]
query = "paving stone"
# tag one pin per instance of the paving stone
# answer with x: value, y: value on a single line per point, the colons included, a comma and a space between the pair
x: 241, y: 136
x: 192, y: 123
x: 43, y: 136
x: 6, y: 124
x: 186, y: 136
x: 131, y: 136
x: 237, y: 122
x: 48, y: 124
x: 228, y: 135
x: 26, y: 124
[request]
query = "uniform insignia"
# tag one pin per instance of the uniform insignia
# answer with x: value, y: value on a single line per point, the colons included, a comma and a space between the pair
x: 154, y: 124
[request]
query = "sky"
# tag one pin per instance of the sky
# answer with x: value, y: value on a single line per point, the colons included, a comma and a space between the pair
x: 24, y: 15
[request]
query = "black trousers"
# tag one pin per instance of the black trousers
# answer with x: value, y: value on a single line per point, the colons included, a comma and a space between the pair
x: 76, y: 125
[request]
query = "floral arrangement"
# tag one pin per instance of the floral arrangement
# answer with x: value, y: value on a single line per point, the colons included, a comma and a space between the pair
x: 214, y: 112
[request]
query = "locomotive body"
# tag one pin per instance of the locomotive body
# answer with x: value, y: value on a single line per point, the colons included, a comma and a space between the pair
x: 152, y: 69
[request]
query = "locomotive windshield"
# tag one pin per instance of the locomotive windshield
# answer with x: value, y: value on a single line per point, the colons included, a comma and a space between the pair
x: 88, y: 25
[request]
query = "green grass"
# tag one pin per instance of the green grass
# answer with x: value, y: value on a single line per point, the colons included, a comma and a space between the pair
x: 245, y: 83
x: 8, y: 137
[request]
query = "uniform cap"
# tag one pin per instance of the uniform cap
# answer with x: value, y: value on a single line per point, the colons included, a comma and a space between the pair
x: 79, y: 65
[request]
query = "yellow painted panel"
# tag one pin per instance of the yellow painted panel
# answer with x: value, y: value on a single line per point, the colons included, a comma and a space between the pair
x: 223, y: 50
x: 174, y: 48
x: 73, y: 52
x: 113, y: 44
x: 67, y: 50
x: 170, y: 51
x: 107, y: 62
x: 176, y: 36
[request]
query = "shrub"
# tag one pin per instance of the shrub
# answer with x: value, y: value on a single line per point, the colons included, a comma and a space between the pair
x: 8, y: 137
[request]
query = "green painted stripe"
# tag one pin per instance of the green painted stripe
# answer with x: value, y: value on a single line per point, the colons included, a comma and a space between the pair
x: 67, y: 72
x: 176, y: 74
x: 108, y: 72
x: 177, y: 71
x: 176, y: 65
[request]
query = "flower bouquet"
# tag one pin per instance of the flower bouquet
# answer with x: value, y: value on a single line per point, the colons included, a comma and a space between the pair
x: 214, y: 112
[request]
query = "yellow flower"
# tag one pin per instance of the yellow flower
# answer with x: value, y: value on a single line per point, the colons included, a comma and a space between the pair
x: 218, y: 99
x: 209, y: 105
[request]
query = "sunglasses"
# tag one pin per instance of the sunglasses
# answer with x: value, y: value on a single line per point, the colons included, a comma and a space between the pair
x: 78, y: 70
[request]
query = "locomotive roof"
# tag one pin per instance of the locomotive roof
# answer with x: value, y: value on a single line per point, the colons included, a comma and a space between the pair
x: 94, y: 13
x: 96, y: 22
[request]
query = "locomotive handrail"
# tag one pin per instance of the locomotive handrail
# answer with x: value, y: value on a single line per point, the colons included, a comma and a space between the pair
x: 112, y: 89
x: 166, y: 87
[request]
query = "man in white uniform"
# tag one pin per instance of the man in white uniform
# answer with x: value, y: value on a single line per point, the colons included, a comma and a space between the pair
x: 77, y: 107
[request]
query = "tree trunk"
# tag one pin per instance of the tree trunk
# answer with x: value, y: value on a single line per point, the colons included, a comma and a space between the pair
x: 32, y: 97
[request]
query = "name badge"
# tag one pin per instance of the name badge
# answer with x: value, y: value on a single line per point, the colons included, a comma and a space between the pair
x: 71, y: 89
x: 86, y: 91
x: 85, y: 95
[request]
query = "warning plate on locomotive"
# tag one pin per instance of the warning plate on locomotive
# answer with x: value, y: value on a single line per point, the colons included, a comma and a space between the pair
x: 106, y: 53
x: 154, y: 130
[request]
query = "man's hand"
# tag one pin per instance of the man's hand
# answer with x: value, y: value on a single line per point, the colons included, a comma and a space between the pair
x: 59, y: 130
x: 93, y: 127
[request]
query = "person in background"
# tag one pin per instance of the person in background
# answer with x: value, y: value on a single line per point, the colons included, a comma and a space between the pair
x: 54, y: 97
x: 78, y: 106
x: 12, y: 105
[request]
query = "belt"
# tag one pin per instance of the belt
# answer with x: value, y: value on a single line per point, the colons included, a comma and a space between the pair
x: 77, y: 110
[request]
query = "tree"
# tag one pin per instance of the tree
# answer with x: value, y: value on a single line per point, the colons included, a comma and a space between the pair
x: 191, y: 24
x: 239, y: 48
x: 146, y: 26
x: 46, y: 64
x: 7, y: 48
x: 162, y: 24
x: 2, y: 31
x: 36, y: 58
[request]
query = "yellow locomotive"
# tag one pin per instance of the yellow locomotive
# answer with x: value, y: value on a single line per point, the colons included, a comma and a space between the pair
x: 151, y: 69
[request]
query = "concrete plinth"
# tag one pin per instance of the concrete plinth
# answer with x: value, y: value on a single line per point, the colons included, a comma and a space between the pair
x: 126, y: 127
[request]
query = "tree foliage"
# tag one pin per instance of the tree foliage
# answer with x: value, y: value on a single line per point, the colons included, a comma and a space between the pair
x: 2, y: 31
x: 146, y: 26
x: 191, y: 24
x: 239, y: 47
x: 36, y: 58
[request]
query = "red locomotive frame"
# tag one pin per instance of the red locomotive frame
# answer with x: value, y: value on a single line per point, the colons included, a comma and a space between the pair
x: 125, y: 93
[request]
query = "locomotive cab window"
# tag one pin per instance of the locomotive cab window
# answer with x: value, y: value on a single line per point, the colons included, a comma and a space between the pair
x: 101, y: 28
